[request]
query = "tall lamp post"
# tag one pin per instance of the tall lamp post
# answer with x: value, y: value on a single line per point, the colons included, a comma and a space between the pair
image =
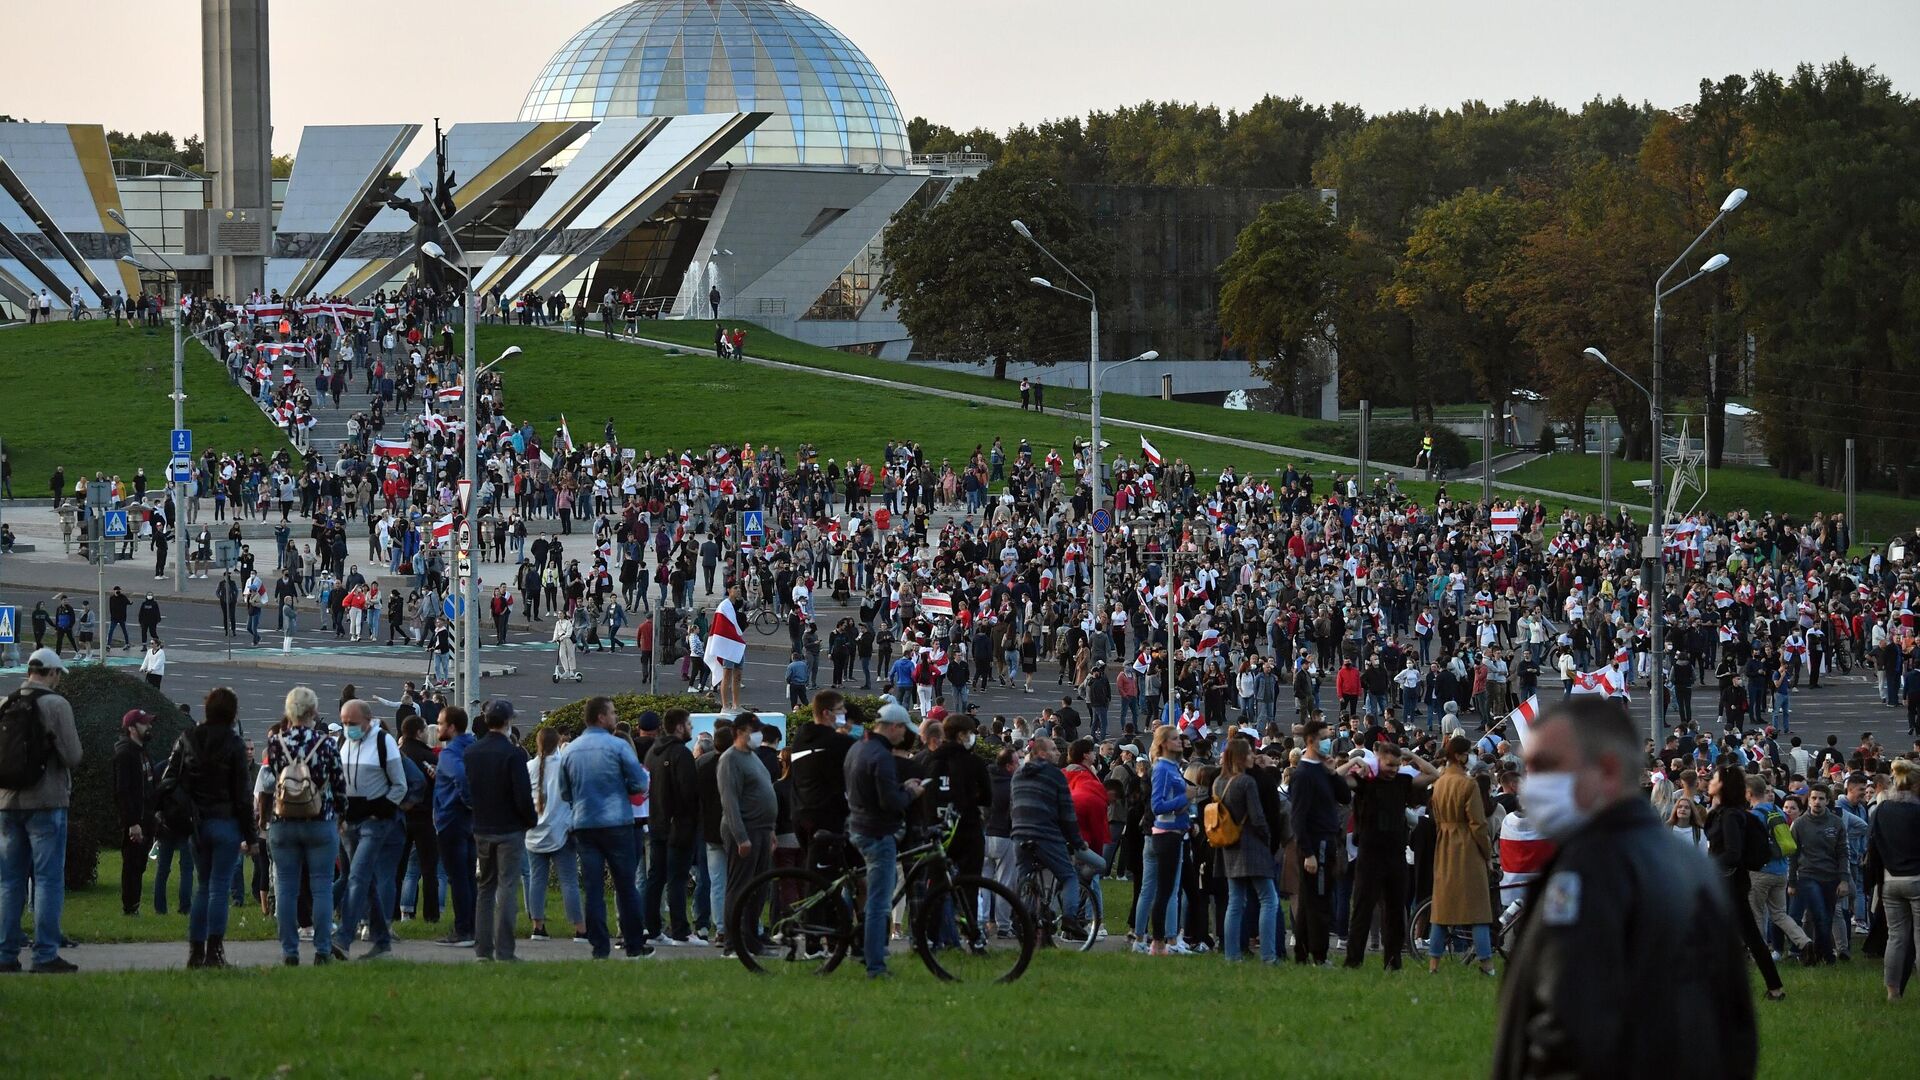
x: 1086, y: 296
x: 1651, y: 552
x: 469, y: 466
x: 179, y: 394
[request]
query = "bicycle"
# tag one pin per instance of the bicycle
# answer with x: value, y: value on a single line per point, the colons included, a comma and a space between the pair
x: 1460, y: 939
x: 764, y: 620
x: 1040, y: 890
x: 799, y: 920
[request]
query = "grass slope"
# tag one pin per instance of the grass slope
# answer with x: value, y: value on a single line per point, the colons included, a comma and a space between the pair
x: 94, y: 396
x: 1733, y: 487
x: 681, y: 1018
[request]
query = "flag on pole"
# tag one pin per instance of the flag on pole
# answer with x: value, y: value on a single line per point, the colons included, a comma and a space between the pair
x: 566, y: 437
x: 1506, y: 521
x: 1208, y: 639
x: 722, y: 456
x: 1522, y: 719
x: 443, y: 528
x: 1147, y: 448
x: 447, y: 393
x: 725, y: 643
x: 936, y: 605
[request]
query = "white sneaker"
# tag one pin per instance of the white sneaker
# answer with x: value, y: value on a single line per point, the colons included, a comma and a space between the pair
x: 1141, y: 947
x: 1179, y: 948
x: 306, y: 933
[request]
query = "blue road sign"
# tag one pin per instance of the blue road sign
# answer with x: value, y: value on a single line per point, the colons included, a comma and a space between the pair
x: 182, y: 441
x: 1102, y: 520
x: 116, y: 525
x: 753, y: 523
x: 180, y: 471
x: 9, y: 618
x: 453, y: 605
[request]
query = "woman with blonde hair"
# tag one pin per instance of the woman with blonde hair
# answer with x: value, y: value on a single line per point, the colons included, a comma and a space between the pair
x: 550, y: 846
x: 1893, y: 843
x: 298, y: 790
x: 1168, y: 805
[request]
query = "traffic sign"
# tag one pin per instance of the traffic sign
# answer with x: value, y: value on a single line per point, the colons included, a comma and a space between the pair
x: 9, y: 617
x: 180, y: 471
x: 753, y: 523
x: 466, y: 566
x: 1102, y: 520
x: 182, y: 441
x: 116, y: 525
x: 453, y: 605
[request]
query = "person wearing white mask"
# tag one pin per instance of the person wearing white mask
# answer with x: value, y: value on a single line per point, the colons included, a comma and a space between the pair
x: 749, y: 810
x: 1622, y: 898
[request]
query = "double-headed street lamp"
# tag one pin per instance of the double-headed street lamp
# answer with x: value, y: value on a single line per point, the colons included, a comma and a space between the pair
x: 1086, y: 296
x: 469, y: 466
x: 1652, y: 552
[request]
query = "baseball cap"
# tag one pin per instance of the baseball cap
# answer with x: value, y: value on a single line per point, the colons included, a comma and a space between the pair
x: 135, y: 716
x: 893, y: 713
x: 499, y: 711
x: 649, y: 721
x: 46, y: 660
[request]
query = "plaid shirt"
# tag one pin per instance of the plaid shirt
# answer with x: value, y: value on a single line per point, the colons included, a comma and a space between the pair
x: 323, y: 761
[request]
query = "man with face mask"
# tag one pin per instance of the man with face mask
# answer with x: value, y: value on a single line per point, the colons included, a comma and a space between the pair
x: 376, y: 785
x: 877, y: 801
x: 675, y: 797
x: 748, y: 811
x: 1625, y: 914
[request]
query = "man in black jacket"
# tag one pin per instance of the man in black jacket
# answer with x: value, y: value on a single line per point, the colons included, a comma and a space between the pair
x: 674, y: 795
x: 1045, y: 829
x: 876, y: 805
x: 133, y: 802
x: 816, y: 763
x: 706, y: 770
x: 1625, y: 914
x: 117, y: 606
x: 502, y: 813
x: 1319, y: 790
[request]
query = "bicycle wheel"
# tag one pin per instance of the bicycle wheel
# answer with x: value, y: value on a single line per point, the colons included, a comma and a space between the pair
x: 959, y: 945
x: 765, y: 621
x: 1092, y: 913
x: 803, y: 925
x: 1038, y: 899
x: 1418, y: 929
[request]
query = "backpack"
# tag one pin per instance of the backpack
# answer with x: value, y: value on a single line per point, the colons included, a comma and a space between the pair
x: 173, y: 805
x: 1780, y: 839
x: 26, y: 745
x: 416, y: 780
x: 1222, y: 831
x: 296, y: 797
x: 1756, y: 848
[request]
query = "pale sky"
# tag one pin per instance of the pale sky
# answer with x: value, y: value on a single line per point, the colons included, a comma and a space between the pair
x: 962, y: 62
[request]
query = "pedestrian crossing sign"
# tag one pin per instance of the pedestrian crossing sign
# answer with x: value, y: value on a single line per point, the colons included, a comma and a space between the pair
x: 115, y: 525
x: 8, y: 617
x: 752, y: 522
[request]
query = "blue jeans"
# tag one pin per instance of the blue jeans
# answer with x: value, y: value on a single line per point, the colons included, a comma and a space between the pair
x: 170, y: 850
x: 671, y: 863
x: 1053, y: 857
x: 716, y: 856
x: 601, y: 851
x: 1482, y: 941
x: 882, y: 854
x: 1813, y: 903
x: 1099, y: 720
x: 33, y: 848
x: 309, y: 846
x: 562, y: 863
x: 1783, y: 704
x: 1238, y: 889
x: 216, y: 851
x: 370, y: 884
x: 1130, y: 711
x: 456, y: 858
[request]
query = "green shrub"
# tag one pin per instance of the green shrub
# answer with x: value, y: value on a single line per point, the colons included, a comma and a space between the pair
x: 100, y: 697
x: 570, y: 718
x: 862, y: 706
x: 1396, y: 443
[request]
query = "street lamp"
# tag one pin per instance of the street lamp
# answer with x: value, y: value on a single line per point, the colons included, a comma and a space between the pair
x: 1086, y: 296
x: 179, y: 393
x: 1657, y: 574
x: 469, y: 466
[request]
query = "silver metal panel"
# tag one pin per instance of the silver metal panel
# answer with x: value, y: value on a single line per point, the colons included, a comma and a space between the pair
x: 334, y: 169
x: 46, y: 163
x: 762, y: 218
x: 610, y: 145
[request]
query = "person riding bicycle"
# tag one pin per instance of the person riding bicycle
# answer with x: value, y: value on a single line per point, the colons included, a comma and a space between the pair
x: 1045, y: 829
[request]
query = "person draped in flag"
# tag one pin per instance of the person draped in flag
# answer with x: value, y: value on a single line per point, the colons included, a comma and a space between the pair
x: 726, y: 650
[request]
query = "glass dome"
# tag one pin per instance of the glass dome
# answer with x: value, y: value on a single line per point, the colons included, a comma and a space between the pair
x: 668, y: 57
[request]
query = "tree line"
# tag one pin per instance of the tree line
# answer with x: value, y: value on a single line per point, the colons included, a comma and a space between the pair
x: 1469, y: 254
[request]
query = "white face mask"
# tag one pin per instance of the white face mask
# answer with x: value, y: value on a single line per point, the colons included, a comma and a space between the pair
x: 968, y: 740
x: 754, y: 740
x: 1549, y: 801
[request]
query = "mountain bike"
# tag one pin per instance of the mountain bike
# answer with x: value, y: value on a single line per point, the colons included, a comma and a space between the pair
x: 805, y: 920
x: 1041, y: 892
x: 1460, y: 938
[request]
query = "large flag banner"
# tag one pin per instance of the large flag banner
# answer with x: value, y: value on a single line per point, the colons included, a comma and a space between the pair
x: 724, y: 640
x: 394, y: 448
x: 1506, y: 521
x: 1522, y: 719
x: 1147, y: 448
x: 936, y: 605
x: 566, y: 437
x: 1606, y: 681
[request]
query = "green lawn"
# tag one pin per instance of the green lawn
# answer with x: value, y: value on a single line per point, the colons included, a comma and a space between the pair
x: 1753, y: 489
x: 1103, y: 1014
x: 94, y: 396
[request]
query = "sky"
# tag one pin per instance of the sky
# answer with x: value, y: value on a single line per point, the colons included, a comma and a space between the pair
x: 965, y: 63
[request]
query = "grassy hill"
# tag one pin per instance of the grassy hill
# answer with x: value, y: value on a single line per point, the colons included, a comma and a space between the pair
x: 94, y: 396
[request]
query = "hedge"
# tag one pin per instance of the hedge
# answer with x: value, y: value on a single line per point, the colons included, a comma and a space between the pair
x: 100, y: 697
x: 571, y: 717
x: 1398, y: 444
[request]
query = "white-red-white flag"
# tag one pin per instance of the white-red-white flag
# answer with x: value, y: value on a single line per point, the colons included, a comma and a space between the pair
x: 394, y: 448
x: 1506, y: 521
x: 1147, y: 448
x: 1522, y: 719
x: 936, y: 605
x: 725, y: 643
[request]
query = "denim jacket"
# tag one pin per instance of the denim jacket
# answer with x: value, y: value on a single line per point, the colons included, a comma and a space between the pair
x: 598, y: 772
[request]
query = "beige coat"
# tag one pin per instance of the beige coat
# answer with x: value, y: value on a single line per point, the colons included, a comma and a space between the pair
x: 1461, y: 852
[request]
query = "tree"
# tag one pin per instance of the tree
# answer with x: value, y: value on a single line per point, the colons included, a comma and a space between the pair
x: 959, y: 274
x: 1280, y: 287
x: 1447, y: 284
x: 1826, y: 261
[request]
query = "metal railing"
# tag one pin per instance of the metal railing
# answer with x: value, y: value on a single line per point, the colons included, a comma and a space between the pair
x: 139, y: 168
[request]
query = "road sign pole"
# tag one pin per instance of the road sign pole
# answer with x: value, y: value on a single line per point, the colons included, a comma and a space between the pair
x: 177, y: 518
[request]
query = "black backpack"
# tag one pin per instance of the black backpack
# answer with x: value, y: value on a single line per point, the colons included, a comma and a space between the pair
x: 1755, y: 851
x: 173, y: 805
x: 26, y: 746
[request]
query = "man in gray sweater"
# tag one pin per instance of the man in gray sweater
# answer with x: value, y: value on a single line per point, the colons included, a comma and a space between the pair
x: 33, y: 819
x: 748, y: 811
x: 1820, y: 866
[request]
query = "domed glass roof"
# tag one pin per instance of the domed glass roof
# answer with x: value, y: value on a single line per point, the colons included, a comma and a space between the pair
x: 668, y: 57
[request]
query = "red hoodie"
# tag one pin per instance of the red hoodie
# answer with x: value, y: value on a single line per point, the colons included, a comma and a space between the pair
x: 1089, y: 807
x: 1347, y: 683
